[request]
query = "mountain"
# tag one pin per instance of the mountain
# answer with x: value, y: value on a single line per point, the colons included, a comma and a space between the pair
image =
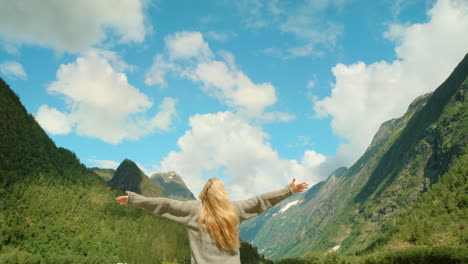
x: 172, y: 185
x: 408, y: 189
x: 106, y: 174
x: 128, y: 177
x: 55, y: 210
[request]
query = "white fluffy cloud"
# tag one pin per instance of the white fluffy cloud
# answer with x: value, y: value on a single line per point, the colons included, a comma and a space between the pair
x: 187, y: 45
x: 70, y: 25
x: 364, y: 96
x: 227, y: 146
x: 101, y: 103
x: 53, y: 121
x: 156, y: 75
x: 13, y: 69
x: 233, y: 87
x: 190, y: 57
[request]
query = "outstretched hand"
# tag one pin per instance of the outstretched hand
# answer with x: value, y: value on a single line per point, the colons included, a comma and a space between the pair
x: 300, y: 187
x: 123, y: 200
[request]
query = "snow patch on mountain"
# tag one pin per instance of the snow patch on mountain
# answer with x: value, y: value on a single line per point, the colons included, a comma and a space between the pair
x: 288, y: 205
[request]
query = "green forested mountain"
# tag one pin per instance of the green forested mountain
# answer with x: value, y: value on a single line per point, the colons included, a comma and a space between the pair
x: 172, y: 185
x: 408, y: 190
x: 128, y: 177
x: 55, y: 210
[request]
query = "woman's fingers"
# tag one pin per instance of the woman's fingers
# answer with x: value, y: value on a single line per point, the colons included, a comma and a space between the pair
x: 301, y: 187
x: 122, y: 200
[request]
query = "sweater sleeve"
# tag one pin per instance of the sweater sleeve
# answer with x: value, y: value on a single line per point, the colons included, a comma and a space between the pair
x: 179, y: 211
x: 256, y: 205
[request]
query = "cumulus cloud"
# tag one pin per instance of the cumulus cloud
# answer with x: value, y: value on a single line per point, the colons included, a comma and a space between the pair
x: 190, y: 56
x: 13, y: 70
x: 187, y: 45
x: 233, y: 87
x: 71, y: 26
x: 159, y: 69
x: 101, y: 103
x: 53, y: 121
x: 225, y: 145
x: 364, y: 96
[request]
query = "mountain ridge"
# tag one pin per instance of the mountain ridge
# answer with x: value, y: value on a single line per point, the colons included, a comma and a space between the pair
x: 407, y: 155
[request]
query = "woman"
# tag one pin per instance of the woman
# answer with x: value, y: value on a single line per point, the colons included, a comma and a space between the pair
x: 213, y: 222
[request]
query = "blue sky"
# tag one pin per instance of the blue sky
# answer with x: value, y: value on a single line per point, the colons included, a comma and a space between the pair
x: 254, y: 92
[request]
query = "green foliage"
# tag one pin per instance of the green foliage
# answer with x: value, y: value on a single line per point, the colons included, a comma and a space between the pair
x: 440, y: 215
x: 59, y: 220
x: 416, y: 255
x: 442, y: 255
x: 250, y: 255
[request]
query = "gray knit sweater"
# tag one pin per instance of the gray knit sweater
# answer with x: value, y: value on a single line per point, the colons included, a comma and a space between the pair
x: 204, y: 249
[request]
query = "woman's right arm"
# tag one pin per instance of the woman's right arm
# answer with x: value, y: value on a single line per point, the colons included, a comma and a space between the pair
x: 179, y: 211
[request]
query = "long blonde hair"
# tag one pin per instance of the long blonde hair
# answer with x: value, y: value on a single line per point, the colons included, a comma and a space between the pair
x: 218, y: 216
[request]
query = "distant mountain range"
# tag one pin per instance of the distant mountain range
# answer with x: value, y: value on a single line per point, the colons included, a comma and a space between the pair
x: 400, y: 193
x: 129, y: 177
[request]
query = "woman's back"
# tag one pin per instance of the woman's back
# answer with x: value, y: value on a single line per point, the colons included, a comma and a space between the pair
x: 204, y: 249
x: 212, y: 223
